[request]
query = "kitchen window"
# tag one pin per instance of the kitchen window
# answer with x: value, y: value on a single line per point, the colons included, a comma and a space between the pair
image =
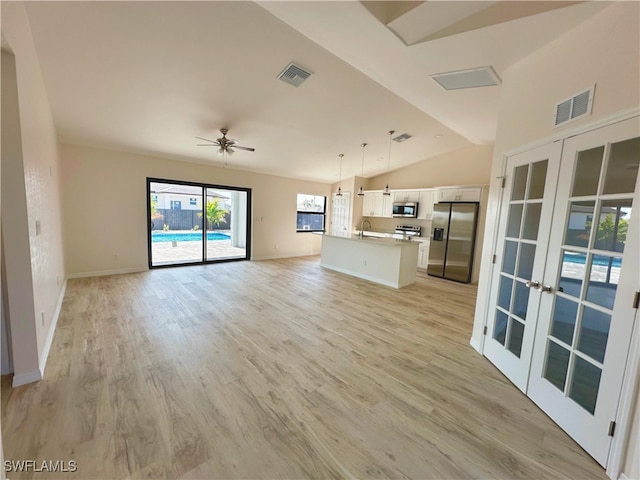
x: 311, y: 211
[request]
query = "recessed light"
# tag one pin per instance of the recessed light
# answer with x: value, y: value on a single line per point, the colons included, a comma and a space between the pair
x: 379, y: 159
x: 438, y: 136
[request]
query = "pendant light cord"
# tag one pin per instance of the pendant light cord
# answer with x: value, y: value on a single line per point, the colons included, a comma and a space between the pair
x: 386, y: 189
x: 361, y: 191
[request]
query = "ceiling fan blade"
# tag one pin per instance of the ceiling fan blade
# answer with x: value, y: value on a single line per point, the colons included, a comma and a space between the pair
x: 207, y: 140
x: 248, y: 149
x: 206, y: 145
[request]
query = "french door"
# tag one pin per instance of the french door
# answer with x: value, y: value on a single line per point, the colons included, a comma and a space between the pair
x: 525, y: 221
x: 579, y: 307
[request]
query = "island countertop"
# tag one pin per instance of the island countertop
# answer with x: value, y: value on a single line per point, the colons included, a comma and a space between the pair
x: 379, y: 240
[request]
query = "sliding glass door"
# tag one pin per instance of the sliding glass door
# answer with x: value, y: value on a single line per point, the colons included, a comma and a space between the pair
x: 192, y: 223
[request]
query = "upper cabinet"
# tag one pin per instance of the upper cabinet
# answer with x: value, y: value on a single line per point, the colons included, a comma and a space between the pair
x: 406, y: 196
x: 459, y: 194
x: 425, y: 205
x: 376, y: 204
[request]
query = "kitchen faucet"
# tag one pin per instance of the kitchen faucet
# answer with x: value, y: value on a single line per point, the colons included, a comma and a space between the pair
x: 362, y: 227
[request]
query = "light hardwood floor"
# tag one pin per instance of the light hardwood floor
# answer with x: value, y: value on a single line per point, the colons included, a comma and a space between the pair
x: 277, y: 369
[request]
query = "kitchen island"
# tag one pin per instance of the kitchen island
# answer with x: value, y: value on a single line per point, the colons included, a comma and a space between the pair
x: 389, y: 261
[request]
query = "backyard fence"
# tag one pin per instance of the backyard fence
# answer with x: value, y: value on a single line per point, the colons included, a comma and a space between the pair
x: 185, y: 220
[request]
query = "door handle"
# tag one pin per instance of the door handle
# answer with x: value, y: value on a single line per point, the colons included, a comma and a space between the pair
x: 546, y: 288
x: 533, y: 284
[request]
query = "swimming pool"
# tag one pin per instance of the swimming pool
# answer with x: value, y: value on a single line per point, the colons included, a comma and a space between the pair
x: 186, y: 236
x: 601, y: 260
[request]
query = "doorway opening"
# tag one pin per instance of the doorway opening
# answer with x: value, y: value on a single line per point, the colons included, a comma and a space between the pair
x: 195, y: 223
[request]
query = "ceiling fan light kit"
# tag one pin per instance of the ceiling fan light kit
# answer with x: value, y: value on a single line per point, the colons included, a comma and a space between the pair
x: 225, y: 145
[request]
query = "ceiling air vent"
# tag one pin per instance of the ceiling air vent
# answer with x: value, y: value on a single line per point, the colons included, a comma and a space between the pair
x: 472, y: 78
x: 294, y: 75
x: 574, y: 107
x: 402, y: 138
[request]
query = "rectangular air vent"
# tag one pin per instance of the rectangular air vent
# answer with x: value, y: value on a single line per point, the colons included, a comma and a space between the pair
x: 574, y: 107
x: 472, y: 78
x: 402, y: 138
x: 294, y: 75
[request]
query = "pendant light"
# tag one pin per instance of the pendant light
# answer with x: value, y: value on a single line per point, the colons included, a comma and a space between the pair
x: 386, y: 189
x: 361, y: 191
x: 339, y: 194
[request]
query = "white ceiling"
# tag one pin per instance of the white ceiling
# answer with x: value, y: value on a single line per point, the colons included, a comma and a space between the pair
x: 146, y: 77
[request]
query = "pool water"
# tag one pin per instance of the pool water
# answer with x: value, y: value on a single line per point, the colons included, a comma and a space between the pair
x: 186, y: 236
x: 597, y: 259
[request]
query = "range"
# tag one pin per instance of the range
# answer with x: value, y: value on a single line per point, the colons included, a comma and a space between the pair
x: 404, y: 231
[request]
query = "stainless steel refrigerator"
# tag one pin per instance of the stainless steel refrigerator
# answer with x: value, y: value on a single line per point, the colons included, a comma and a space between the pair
x: 453, y: 238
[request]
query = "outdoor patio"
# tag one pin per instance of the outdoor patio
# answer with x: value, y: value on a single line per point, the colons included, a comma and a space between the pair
x: 164, y: 253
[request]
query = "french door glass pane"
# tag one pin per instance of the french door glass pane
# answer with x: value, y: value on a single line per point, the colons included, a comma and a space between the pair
x: 531, y: 221
x: 500, y: 328
x: 510, y: 252
x: 622, y: 169
x: 603, y: 280
x: 538, y: 176
x: 594, y: 332
x: 564, y: 320
x: 579, y: 225
x: 585, y: 384
x: 515, y: 218
x: 504, y: 292
x: 521, y: 300
x: 613, y: 220
x: 588, y: 168
x: 527, y: 256
x: 572, y: 272
x: 557, y: 364
x: 516, y: 334
x: 519, y: 182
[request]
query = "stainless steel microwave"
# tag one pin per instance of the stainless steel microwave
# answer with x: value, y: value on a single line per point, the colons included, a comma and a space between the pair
x: 405, y: 209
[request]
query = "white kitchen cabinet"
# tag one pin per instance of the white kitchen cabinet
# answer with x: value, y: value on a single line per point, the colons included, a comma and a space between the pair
x: 376, y: 204
x: 387, y: 206
x: 459, y: 194
x: 423, y: 255
x: 404, y: 196
x: 368, y: 204
x: 425, y: 204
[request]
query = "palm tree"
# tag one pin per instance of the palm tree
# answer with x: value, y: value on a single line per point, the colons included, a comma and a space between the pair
x: 215, y: 213
x: 155, y: 215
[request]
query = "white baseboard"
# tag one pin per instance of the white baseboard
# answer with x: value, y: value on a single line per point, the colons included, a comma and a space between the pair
x: 103, y: 273
x: 276, y: 257
x: 52, y: 330
x: 25, y: 378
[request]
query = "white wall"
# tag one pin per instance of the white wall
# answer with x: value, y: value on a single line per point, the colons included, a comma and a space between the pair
x: 603, y: 50
x: 34, y: 187
x: 105, y: 205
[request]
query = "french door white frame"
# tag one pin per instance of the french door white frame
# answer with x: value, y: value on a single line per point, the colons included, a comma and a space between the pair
x: 631, y: 381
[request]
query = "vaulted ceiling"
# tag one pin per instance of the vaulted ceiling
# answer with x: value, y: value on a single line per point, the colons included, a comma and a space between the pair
x: 147, y: 77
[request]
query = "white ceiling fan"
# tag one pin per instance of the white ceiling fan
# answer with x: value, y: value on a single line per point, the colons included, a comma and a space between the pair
x: 224, y: 144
